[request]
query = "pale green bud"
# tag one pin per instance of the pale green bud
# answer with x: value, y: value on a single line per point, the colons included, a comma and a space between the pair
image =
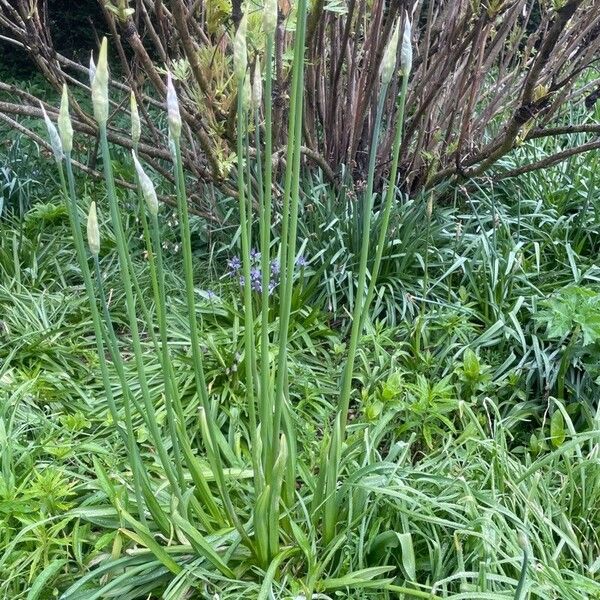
x: 147, y: 187
x: 406, y: 54
x: 65, y: 128
x: 388, y: 63
x: 53, y: 136
x: 240, y: 51
x: 93, y: 232
x: 269, y: 16
x: 174, y: 116
x: 257, y: 86
x: 136, y: 127
x: 100, y: 86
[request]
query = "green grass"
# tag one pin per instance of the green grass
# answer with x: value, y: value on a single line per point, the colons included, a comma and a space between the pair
x: 143, y: 400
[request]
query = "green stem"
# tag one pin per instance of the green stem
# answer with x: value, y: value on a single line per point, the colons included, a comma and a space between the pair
x: 132, y: 317
x: 128, y: 437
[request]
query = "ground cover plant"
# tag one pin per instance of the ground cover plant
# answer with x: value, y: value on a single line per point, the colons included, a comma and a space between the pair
x: 348, y: 393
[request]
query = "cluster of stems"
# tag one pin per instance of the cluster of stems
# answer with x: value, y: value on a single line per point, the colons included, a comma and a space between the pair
x: 200, y: 505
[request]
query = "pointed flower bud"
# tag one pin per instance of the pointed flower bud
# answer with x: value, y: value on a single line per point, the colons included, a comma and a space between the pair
x: 65, y: 128
x: 100, y: 86
x: 388, y: 63
x: 53, y: 135
x: 257, y: 86
x: 92, y: 70
x: 173, y: 109
x: 270, y: 16
x: 406, y: 53
x: 93, y: 232
x: 147, y: 187
x: 240, y: 51
x: 136, y: 128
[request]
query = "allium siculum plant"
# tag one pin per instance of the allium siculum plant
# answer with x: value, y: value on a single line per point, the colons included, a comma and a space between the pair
x: 199, y: 501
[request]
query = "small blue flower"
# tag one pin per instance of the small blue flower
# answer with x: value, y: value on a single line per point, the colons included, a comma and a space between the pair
x: 272, y: 286
x: 234, y: 264
x: 301, y: 261
x: 256, y: 285
x: 255, y: 274
x: 275, y: 267
x: 242, y: 281
x: 254, y: 255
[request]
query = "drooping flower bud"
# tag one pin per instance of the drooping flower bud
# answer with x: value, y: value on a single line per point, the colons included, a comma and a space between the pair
x: 147, y: 187
x: 100, y: 86
x: 173, y: 109
x: 93, y: 232
x: 92, y: 69
x: 65, y: 128
x: 53, y: 136
x: 406, y: 53
x: 388, y: 63
x: 136, y: 128
x: 269, y: 16
x: 240, y: 51
x: 257, y: 86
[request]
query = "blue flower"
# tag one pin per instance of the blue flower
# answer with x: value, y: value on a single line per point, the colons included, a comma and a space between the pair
x: 275, y: 267
x: 301, y: 261
x: 254, y: 255
x: 234, y: 264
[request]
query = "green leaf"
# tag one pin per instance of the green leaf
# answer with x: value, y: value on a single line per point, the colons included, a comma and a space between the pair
x: 39, y: 585
x: 557, y: 429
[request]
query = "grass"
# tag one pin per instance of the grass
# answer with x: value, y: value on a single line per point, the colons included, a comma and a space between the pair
x: 409, y: 412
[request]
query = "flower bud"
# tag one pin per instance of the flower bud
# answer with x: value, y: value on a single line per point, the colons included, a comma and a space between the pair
x: 406, y: 50
x: 269, y: 16
x: 388, y: 63
x: 136, y: 128
x: 53, y: 135
x: 100, y: 86
x: 65, y: 128
x: 92, y: 70
x: 240, y: 52
x: 173, y: 109
x: 429, y: 207
x: 257, y: 86
x: 93, y: 233
x: 147, y: 187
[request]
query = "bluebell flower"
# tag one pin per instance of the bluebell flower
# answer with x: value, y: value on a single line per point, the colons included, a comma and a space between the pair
x: 254, y: 255
x: 256, y: 285
x: 272, y: 286
x: 301, y: 261
x: 234, y: 264
x: 242, y: 281
x: 255, y: 274
x: 275, y: 267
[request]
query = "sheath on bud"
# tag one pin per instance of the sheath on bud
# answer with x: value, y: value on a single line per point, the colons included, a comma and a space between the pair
x: 92, y: 69
x: 388, y: 63
x: 53, y: 135
x: 136, y: 128
x: 65, y: 128
x: 100, y: 86
x: 173, y: 109
x: 147, y: 187
x: 406, y: 50
x: 270, y: 16
x: 257, y: 86
x: 93, y: 232
x: 240, y: 51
